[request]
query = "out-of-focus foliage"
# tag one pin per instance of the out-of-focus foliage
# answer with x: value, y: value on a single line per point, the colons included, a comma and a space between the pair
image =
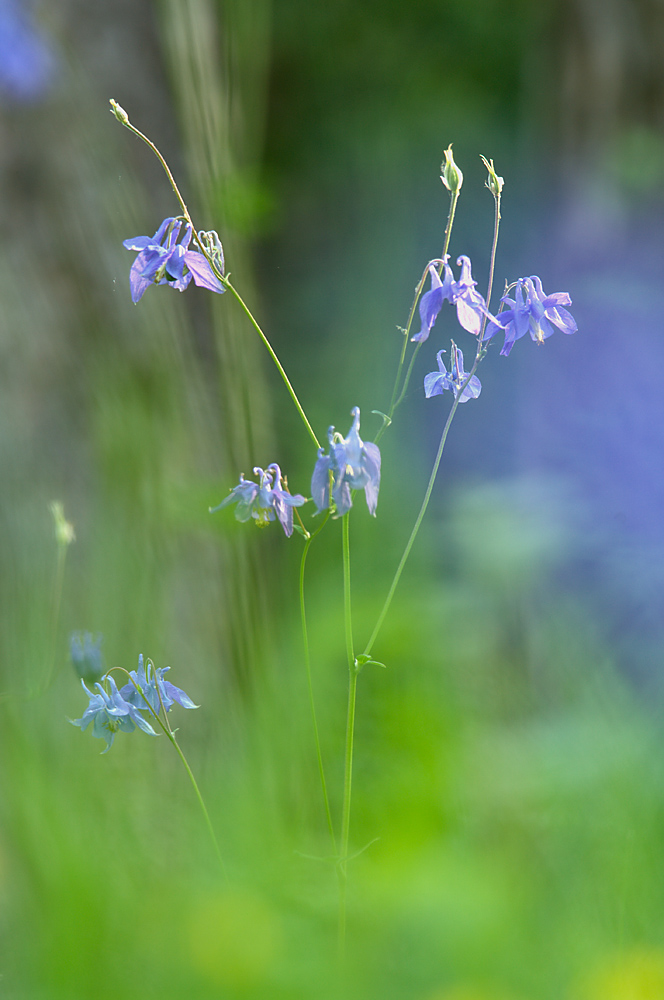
x: 510, y: 759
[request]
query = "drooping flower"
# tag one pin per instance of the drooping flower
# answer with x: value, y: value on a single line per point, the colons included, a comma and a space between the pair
x: 153, y: 689
x: 435, y: 383
x: 350, y: 464
x: 86, y: 656
x: 265, y: 500
x: 471, y: 307
x: 110, y: 713
x: 531, y: 311
x: 432, y: 301
x: 163, y: 260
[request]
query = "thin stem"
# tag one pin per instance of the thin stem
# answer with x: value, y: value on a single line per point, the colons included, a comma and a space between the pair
x: 224, y: 280
x: 307, y: 663
x: 397, y: 396
x: 420, y: 516
x: 276, y: 360
x: 492, y: 267
x: 201, y: 802
x: 165, y: 726
x: 55, y: 613
x: 350, y: 734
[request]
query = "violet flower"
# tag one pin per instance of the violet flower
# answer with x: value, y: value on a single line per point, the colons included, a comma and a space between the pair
x: 265, y: 500
x: 531, y: 311
x: 109, y: 713
x: 153, y: 689
x: 471, y: 307
x: 350, y: 464
x: 163, y: 260
x: 435, y: 383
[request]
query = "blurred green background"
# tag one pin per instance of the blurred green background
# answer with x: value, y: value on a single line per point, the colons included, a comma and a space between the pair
x: 510, y: 759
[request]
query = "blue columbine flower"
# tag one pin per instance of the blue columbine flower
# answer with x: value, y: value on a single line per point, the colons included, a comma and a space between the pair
x: 263, y: 500
x: 153, y: 689
x: 470, y: 306
x: 86, y: 655
x: 350, y: 464
x: 435, y: 383
x: 163, y: 260
x: 531, y: 311
x: 110, y: 713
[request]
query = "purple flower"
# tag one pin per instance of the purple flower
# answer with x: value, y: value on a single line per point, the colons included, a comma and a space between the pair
x: 435, y: 383
x: 471, y: 307
x: 153, y: 689
x: 163, y: 260
x: 351, y: 464
x: 531, y: 311
x: 110, y: 713
x: 432, y: 301
x: 264, y: 500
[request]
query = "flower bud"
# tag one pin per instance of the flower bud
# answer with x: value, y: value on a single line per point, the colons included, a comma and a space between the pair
x: 119, y: 112
x: 451, y: 176
x: 86, y: 656
x: 494, y: 182
x: 64, y: 531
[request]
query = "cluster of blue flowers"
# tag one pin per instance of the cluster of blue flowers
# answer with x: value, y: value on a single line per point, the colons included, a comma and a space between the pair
x: 530, y: 311
x: 351, y: 464
x: 111, y: 710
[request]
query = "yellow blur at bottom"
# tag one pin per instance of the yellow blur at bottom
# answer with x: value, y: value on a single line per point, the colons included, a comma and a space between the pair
x: 633, y: 975
x: 234, y: 939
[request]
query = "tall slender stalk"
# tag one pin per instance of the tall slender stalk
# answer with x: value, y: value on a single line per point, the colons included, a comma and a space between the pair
x: 123, y: 118
x: 350, y: 736
x: 307, y: 664
x: 397, y: 397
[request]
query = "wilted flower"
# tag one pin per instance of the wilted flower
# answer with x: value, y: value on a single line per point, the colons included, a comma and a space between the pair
x: 110, y: 713
x: 471, y: 307
x: 163, y: 260
x: 153, y: 689
x: 86, y: 657
x: 351, y: 464
x: 264, y: 500
x: 531, y: 311
x: 435, y: 383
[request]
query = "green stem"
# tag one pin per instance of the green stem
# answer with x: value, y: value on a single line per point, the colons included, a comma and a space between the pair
x: 201, y: 802
x: 420, y: 516
x: 224, y: 280
x: 165, y: 726
x: 307, y: 663
x: 276, y: 360
x: 397, y: 396
x: 55, y: 613
x: 350, y: 733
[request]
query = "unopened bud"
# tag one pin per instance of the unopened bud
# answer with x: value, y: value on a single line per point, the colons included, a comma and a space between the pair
x: 119, y: 112
x: 493, y: 182
x: 64, y: 531
x: 451, y: 176
x: 212, y: 244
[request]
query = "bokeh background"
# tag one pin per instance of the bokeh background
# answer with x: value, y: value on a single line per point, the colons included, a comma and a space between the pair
x: 510, y: 758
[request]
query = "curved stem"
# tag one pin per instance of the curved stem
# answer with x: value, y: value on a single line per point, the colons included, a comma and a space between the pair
x: 165, y: 726
x: 307, y: 663
x: 397, y: 396
x: 224, y: 280
x: 274, y: 357
x: 418, y: 521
